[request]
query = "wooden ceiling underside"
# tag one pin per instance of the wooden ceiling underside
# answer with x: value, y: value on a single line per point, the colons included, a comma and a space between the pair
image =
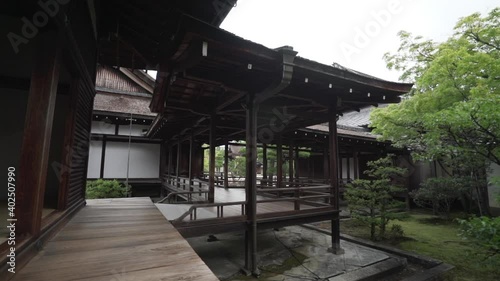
x: 191, y: 86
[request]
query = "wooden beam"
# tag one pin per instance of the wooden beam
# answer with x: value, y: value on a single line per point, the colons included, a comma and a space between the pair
x: 279, y: 162
x: 334, y: 182
x: 226, y: 165
x: 37, y: 136
x: 356, y: 164
x: 264, y: 161
x: 103, y: 157
x: 251, y: 183
x: 191, y: 156
x: 290, y: 163
x: 178, y: 165
x: 211, y: 169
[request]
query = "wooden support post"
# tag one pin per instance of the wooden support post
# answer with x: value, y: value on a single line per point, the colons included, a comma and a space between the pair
x: 170, y: 156
x: 264, y: 163
x: 297, y: 171
x: 211, y: 168
x: 202, y: 152
x: 103, y: 157
x: 251, y: 182
x: 226, y: 165
x: 178, y: 167
x: 279, y: 164
x: 356, y: 164
x: 290, y: 163
x: 334, y: 180
x: 295, y: 162
x: 35, y: 149
x: 191, y: 156
x: 340, y: 166
x: 348, y: 164
x: 326, y: 164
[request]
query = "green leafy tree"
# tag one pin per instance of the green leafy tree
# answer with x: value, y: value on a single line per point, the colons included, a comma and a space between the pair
x: 372, y: 201
x: 439, y: 194
x: 484, y: 232
x: 452, y: 112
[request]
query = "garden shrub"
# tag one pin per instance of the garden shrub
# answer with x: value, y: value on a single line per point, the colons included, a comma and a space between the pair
x: 484, y: 232
x: 439, y: 194
x: 106, y: 189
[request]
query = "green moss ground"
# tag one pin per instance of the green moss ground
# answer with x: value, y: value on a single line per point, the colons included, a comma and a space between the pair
x: 437, y: 238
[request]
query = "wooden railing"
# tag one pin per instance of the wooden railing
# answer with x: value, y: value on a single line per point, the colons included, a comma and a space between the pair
x: 191, y: 191
x: 193, y: 211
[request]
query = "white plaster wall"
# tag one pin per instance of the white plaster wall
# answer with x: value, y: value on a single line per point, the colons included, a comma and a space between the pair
x: 94, y: 168
x: 144, y: 160
x: 137, y: 130
x: 102, y: 128
x: 344, y: 168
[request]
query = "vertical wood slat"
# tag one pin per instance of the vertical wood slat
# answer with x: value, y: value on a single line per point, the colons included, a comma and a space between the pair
x: 37, y: 135
x: 67, y: 153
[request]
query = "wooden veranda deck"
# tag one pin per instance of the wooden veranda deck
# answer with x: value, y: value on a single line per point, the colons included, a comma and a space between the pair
x: 228, y: 213
x: 117, y: 239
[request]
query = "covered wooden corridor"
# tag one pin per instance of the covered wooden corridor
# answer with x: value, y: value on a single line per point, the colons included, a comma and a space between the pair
x: 117, y: 239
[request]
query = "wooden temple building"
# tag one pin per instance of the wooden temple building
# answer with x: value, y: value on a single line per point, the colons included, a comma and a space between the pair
x: 212, y: 88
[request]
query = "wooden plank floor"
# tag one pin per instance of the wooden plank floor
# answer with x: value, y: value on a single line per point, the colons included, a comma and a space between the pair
x: 117, y: 239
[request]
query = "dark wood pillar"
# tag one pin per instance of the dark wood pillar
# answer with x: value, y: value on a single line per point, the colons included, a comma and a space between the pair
x: 297, y: 170
x: 279, y: 162
x: 226, y: 165
x: 103, y: 157
x: 334, y: 179
x: 191, y: 159
x: 178, y: 167
x: 251, y: 184
x: 37, y: 136
x: 211, y: 168
x: 290, y: 163
x: 356, y: 164
x: 326, y: 163
x: 348, y: 164
x: 170, y: 156
x: 264, y: 163
x: 202, y: 152
x: 340, y: 166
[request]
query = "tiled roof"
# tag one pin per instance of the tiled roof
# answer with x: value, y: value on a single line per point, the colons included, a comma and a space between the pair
x: 122, y: 104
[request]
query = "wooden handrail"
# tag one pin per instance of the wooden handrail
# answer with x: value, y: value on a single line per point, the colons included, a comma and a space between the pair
x: 194, y: 208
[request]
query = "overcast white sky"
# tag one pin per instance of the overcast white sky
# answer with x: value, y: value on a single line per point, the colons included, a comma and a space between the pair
x: 354, y: 33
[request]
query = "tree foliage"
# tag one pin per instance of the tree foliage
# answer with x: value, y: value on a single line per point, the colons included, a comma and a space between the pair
x: 484, y: 232
x: 439, y: 194
x: 372, y: 201
x: 106, y: 189
x: 453, y: 108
